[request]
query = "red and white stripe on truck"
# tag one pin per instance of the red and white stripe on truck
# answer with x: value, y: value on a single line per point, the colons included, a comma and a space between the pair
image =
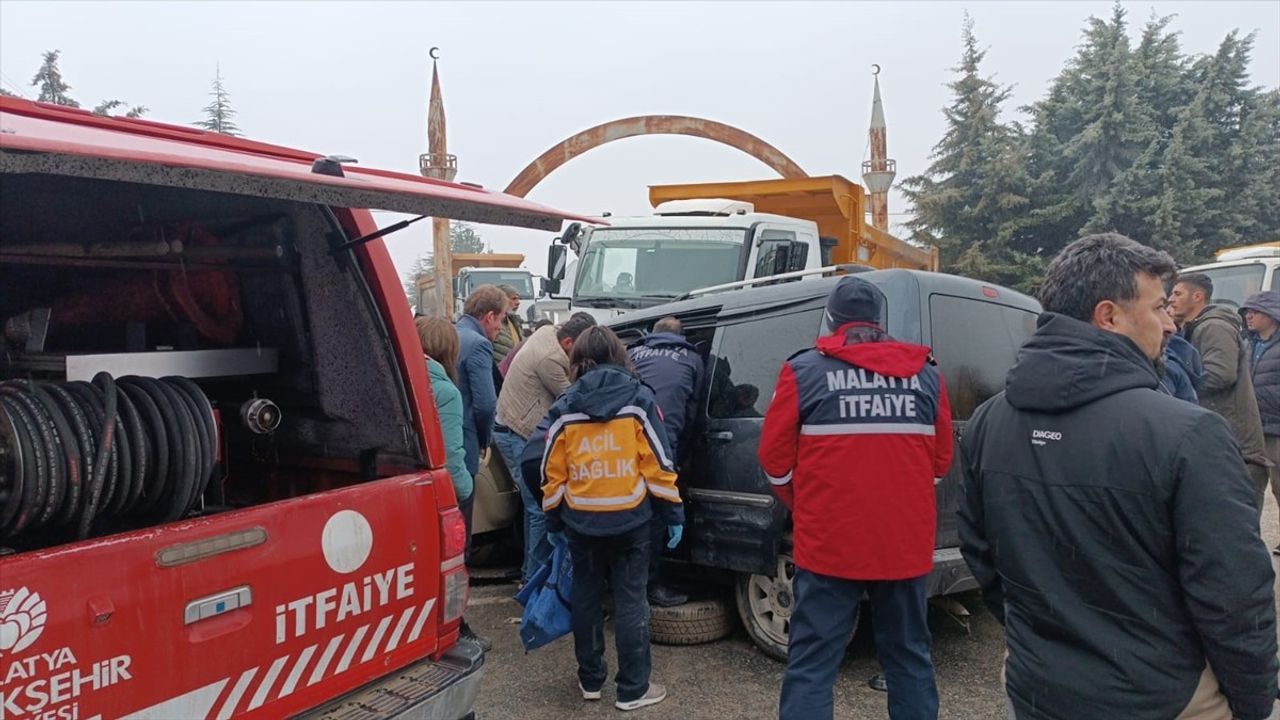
x: 262, y: 612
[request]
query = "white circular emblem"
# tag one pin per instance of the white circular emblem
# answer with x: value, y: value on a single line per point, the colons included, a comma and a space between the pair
x: 22, y: 617
x: 347, y: 541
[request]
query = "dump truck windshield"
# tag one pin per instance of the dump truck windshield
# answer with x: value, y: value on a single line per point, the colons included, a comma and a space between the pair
x: 521, y: 280
x: 658, y: 263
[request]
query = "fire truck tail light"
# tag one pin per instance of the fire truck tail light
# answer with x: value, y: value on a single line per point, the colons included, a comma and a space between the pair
x: 453, y: 531
x: 454, y: 583
x: 456, y: 590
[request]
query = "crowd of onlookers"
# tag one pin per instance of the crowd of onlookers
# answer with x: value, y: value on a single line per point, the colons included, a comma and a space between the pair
x: 1112, y: 492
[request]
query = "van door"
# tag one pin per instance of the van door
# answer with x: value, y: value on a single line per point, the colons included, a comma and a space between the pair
x: 975, y: 343
x: 735, y: 521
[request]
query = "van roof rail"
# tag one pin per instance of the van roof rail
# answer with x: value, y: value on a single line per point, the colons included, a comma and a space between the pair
x: 841, y: 269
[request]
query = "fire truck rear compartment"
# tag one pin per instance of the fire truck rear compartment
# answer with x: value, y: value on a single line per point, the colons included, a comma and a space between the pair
x: 172, y: 353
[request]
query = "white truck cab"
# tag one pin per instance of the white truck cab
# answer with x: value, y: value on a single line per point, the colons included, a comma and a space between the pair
x: 685, y: 245
x: 1241, y: 272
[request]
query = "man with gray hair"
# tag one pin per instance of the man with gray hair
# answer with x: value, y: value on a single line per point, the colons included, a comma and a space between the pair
x: 1110, y: 526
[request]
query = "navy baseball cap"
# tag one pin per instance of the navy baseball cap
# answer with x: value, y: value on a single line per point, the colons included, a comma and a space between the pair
x: 853, y: 300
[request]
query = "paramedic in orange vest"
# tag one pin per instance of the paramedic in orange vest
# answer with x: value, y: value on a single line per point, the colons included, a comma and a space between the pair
x: 607, y: 472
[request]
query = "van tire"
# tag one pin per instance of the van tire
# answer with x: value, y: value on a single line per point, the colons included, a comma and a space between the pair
x: 765, y: 605
x: 693, y: 623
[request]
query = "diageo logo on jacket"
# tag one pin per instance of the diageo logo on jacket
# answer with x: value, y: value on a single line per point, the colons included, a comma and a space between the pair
x: 1038, y: 437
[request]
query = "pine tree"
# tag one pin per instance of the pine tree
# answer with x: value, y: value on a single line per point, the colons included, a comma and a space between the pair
x: 49, y: 78
x: 464, y: 239
x: 1087, y: 133
x: 969, y: 200
x: 106, y: 106
x: 219, y: 114
x: 1161, y: 90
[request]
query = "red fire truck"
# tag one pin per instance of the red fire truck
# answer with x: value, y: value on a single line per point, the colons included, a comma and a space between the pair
x: 222, y: 490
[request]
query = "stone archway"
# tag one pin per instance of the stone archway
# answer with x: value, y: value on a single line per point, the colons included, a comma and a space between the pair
x: 608, y: 132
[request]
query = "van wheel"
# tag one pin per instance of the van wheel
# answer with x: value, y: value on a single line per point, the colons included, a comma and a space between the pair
x: 765, y: 605
x: 693, y: 623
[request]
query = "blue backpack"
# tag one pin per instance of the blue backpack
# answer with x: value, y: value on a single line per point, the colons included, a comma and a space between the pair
x: 546, y: 600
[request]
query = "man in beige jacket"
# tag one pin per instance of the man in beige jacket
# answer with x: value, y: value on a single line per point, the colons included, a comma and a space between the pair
x: 537, y: 376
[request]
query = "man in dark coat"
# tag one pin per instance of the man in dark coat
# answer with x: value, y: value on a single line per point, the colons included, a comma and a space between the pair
x: 670, y: 365
x: 1262, y: 316
x: 1226, y: 387
x: 1111, y: 526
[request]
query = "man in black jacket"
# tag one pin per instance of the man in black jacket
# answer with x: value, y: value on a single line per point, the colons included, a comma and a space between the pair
x: 1112, y: 527
x: 669, y: 364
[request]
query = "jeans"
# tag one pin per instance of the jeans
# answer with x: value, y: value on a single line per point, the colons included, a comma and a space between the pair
x: 622, y: 561
x: 537, y: 548
x: 825, y: 615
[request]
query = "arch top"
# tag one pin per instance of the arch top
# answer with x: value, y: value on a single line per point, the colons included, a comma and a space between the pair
x: 605, y: 133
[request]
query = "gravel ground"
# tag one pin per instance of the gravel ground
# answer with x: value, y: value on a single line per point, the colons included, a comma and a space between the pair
x: 730, y: 678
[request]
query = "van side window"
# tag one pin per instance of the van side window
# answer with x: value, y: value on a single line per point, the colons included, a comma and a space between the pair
x: 1275, y: 278
x: 975, y: 344
x: 749, y: 358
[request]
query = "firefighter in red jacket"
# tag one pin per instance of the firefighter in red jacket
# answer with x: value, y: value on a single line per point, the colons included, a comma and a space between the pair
x: 858, y: 430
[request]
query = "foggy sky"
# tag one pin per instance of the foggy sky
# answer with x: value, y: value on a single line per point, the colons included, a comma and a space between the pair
x: 353, y: 79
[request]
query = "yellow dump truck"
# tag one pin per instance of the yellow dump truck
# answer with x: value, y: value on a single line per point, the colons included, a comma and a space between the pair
x: 471, y: 270
x: 838, y: 207
x: 715, y: 236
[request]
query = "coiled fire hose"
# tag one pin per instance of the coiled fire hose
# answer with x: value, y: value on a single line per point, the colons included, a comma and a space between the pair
x: 76, y: 457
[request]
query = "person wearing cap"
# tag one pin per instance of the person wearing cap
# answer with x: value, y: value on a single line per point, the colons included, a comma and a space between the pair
x: 1262, y: 318
x: 858, y: 429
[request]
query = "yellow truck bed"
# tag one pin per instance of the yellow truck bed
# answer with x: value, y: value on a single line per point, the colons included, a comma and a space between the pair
x: 836, y: 204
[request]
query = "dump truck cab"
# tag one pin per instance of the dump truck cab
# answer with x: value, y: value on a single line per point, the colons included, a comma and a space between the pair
x: 717, y: 234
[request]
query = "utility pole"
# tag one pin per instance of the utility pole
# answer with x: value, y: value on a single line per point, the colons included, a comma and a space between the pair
x: 440, y: 165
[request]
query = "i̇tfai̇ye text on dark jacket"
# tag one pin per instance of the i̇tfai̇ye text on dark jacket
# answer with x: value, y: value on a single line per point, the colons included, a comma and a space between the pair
x: 672, y: 367
x: 1113, y: 532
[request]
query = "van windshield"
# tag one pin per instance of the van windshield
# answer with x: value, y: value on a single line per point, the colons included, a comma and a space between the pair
x: 658, y: 263
x: 1233, y: 284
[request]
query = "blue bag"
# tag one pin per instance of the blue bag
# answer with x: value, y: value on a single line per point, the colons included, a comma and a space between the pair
x: 546, y: 600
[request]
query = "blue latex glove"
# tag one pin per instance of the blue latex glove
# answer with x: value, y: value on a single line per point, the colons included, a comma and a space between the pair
x: 555, y: 538
x: 674, y: 532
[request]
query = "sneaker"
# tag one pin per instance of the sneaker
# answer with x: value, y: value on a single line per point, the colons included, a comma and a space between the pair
x: 588, y: 694
x: 663, y: 596
x: 1275, y: 550
x: 655, y: 695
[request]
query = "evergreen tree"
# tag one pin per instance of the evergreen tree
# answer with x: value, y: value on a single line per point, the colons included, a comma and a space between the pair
x: 106, y: 106
x: 1087, y: 133
x: 219, y: 115
x: 52, y: 87
x: 1161, y: 90
x: 464, y: 239
x: 1179, y: 154
x: 969, y: 201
